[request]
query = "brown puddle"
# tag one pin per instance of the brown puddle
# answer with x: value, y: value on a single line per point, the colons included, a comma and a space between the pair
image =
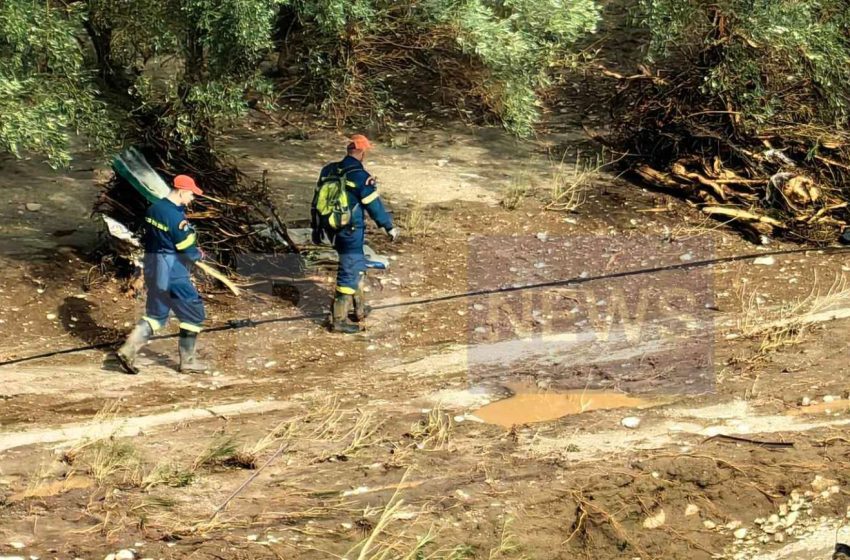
x: 839, y: 405
x: 526, y: 408
x: 53, y: 488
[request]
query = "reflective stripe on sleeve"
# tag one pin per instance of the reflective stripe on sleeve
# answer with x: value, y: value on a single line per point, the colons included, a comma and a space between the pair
x: 188, y: 242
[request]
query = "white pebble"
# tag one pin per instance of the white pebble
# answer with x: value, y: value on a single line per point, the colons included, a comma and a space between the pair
x: 631, y: 422
x: 740, y: 533
x: 792, y: 518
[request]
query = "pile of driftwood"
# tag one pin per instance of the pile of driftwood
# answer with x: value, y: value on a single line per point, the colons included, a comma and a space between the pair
x: 785, y: 178
x: 235, y: 215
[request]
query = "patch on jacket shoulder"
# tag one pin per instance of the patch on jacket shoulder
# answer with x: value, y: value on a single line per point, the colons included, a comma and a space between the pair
x: 183, y: 225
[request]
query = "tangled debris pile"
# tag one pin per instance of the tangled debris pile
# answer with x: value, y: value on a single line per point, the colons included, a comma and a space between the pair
x: 742, y: 110
x: 234, y: 215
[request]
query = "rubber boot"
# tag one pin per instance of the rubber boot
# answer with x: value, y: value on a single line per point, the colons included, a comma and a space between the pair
x: 339, y: 316
x: 128, y: 351
x: 361, y: 310
x: 189, y: 362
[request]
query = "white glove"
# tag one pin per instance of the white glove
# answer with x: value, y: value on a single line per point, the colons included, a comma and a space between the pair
x: 393, y: 233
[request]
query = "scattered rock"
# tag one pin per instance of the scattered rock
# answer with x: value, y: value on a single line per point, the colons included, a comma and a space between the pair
x: 33, y: 206
x: 125, y: 555
x: 779, y: 537
x: 820, y: 484
x: 740, y: 533
x: 655, y: 521
x: 783, y: 510
x: 51, y: 316
x: 110, y: 556
x: 805, y: 401
x: 253, y: 538
x: 17, y: 545
x: 631, y: 422
x: 709, y: 524
x: 792, y: 518
x: 765, y: 261
x: 543, y: 236
x: 270, y: 364
x: 732, y: 525
x: 828, y: 398
x: 691, y: 510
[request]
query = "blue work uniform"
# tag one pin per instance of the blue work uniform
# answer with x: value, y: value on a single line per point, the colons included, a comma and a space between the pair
x: 171, y: 249
x: 349, y: 241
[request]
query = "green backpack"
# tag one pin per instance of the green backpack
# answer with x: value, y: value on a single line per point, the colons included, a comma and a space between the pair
x: 332, y: 203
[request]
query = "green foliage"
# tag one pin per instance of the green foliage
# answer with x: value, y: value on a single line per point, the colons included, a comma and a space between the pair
x: 497, y: 51
x: 185, y: 67
x: 46, y: 89
x: 202, y: 58
x: 771, y: 59
x: 235, y: 34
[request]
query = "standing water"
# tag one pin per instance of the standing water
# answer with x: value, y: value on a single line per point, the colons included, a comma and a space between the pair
x: 526, y: 408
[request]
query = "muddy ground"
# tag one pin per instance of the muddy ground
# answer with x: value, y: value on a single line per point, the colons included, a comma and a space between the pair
x: 379, y: 448
x: 487, y: 411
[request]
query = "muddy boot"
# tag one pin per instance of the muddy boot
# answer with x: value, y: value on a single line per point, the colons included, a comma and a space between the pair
x: 189, y: 362
x: 361, y: 310
x: 339, y: 318
x: 126, y: 355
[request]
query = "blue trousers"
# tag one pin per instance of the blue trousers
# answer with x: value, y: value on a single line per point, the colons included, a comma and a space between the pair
x: 352, y: 261
x: 181, y: 297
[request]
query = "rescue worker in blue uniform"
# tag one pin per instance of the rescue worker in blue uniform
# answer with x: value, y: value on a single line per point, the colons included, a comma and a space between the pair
x: 349, y: 241
x: 171, y: 249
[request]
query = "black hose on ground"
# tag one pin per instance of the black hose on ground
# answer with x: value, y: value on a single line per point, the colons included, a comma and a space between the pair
x: 245, y: 323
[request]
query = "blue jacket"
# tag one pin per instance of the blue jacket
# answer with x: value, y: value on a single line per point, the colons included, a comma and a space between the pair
x: 366, y: 192
x: 171, y: 244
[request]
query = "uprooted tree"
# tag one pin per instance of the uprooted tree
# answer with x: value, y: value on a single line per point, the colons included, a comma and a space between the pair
x: 742, y: 108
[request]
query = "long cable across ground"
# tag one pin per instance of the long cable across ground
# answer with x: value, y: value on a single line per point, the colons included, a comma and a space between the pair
x: 245, y: 323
